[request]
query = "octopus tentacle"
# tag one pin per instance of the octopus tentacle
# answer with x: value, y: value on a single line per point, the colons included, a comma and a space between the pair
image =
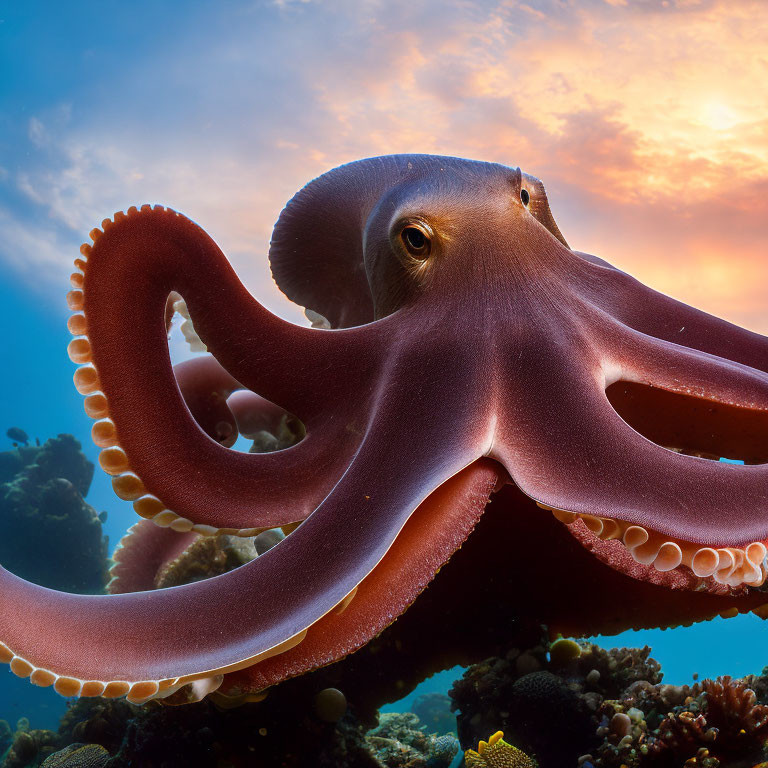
x: 599, y: 466
x: 205, y: 387
x: 653, y: 313
x: 642, y: 358
x: 143, y: 256
x: 166, y: 641
x: 141, y: 553
x: 253, y: 415
x: 432, y: 534
x: 222, y: 408
x: 171, y: 470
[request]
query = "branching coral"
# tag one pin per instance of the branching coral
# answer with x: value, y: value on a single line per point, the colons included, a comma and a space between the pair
x: 683, y: 732
x: 732, y: 708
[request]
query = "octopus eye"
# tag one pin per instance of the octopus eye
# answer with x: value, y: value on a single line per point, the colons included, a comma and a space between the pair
x: 416, y: 242
x: 525, y: 197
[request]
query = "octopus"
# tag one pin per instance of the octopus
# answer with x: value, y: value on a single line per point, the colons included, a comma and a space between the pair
x: 489, y: 424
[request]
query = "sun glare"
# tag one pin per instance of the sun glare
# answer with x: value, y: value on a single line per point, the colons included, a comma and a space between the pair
x: 718, y: 116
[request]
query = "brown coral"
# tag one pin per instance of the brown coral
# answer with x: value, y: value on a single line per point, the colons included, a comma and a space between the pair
x: 618, y: 668
x: 684, y: 731
x: 732, y: 708
x: 208, y: 556
x: 29, y: 747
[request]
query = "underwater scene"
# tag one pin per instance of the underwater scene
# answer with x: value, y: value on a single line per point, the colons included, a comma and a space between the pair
x: 386, y: 384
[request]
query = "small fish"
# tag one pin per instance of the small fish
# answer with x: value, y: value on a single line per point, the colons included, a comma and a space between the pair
x: 18, y: 435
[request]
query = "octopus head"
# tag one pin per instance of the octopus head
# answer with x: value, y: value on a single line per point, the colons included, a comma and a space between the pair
x: 362, y: 241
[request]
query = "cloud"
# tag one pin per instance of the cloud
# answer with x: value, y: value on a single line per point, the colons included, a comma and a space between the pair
x: 34, y: 253
x: 36, y: 132
x: 644, y: 120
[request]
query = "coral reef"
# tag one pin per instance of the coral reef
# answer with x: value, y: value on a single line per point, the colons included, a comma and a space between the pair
x: 434, y: 710
x: 287, y: 433
x: 538, y: 710
x: 399, y: 742
x: 50, y: 535
x: 299, y: 724
x: 6, y: 737
x: 712, y: 723
x: 609, y: 709
x: 286, y: 733
x: 208, y: 556
x: 29, y: 747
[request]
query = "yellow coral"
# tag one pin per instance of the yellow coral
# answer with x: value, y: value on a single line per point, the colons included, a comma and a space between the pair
x: 496, y: 753
x: 564, y: 650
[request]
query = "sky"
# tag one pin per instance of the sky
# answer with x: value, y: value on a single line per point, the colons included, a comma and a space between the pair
x: 646, y: 121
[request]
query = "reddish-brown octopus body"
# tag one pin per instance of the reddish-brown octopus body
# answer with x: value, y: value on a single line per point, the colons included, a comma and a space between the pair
x: 473, y: 371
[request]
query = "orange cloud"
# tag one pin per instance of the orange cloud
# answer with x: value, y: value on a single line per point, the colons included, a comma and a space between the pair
x: 652, y: 113
x: 645, y: 120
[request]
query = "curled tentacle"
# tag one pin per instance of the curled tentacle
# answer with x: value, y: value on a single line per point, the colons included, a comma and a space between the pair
x: 221, y: 406
x: 253, y: 415
x: 174, y: 473
x: 142, y: 553
x: 205, y: 387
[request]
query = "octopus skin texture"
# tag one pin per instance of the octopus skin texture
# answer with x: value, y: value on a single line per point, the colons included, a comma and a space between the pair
x: 475, y: 372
